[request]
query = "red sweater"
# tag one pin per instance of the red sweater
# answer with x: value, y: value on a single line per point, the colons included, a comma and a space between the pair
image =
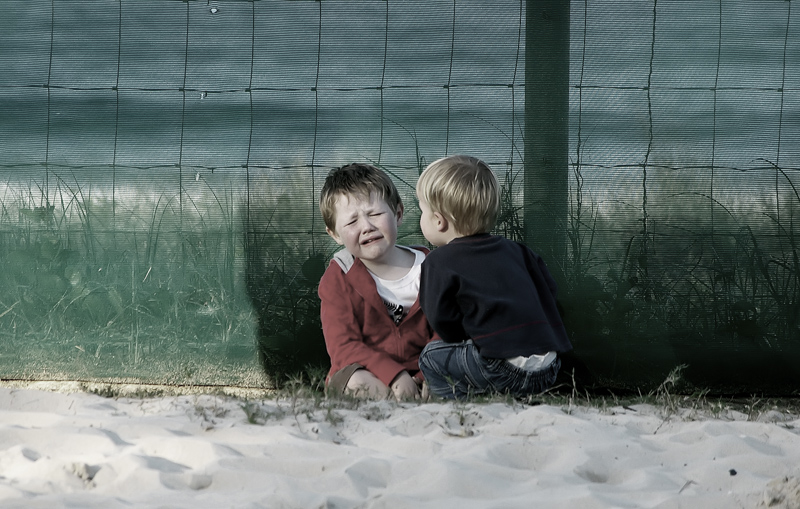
x: 357, y: 325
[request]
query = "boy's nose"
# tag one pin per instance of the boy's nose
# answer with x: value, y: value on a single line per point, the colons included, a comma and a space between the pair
x: 366, y: 225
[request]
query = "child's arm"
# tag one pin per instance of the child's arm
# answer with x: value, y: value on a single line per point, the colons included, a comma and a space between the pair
x: 342, y: 327
x: 539, y: 272
x: 437, y: 297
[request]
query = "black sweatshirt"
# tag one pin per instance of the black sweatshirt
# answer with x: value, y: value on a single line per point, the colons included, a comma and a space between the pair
x: 495, y: 291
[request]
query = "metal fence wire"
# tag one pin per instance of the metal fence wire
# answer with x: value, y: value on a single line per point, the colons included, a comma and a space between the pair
x: 162, y: 159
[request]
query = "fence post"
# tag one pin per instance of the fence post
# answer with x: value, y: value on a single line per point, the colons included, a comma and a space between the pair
x: 547, y: 129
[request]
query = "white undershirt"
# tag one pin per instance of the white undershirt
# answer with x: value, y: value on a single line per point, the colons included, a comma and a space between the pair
x: 400, y: 294
x: 534, y: 362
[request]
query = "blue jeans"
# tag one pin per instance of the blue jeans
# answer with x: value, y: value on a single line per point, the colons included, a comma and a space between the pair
x: 457, y: 370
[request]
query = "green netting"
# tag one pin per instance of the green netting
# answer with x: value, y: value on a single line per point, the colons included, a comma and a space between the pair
x: 161, y: 162
x: 684, y: 158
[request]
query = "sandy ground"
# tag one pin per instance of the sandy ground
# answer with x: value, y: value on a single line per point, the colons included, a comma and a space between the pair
x: 70, y: 448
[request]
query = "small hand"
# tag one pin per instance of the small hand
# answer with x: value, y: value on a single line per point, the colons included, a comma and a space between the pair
x: 404, y: 387
x: 425, y: 392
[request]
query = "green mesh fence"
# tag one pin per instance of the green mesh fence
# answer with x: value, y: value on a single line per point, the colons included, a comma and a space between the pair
x: 161, y: 162
x: 684, y: 159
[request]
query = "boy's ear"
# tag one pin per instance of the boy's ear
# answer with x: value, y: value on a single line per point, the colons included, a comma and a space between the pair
x: 442, y: 225
x: 334, y: 236
x: 399, y: 214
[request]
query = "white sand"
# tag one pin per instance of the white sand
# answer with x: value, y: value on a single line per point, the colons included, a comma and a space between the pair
x: 201, y: 451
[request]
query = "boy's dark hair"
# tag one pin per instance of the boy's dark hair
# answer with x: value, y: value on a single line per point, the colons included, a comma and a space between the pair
x: 355, y: 180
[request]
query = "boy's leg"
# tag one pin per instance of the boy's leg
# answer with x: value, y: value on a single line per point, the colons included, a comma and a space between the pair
x: 454, y: 370
x: 363, y: 384
x: 355, y: 380
x: 457, y: 370
x: 506, y: 377
x: 337, y: 383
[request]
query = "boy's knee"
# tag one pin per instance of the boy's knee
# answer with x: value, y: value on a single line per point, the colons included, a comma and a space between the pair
x: 429, y: 349
x: 363, y: 384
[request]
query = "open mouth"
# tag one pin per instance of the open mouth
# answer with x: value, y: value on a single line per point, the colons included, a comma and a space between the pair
x: 370, y: 241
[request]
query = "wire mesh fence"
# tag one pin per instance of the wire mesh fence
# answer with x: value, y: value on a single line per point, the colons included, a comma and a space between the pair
x: 162, y: 161
x: 684, y: 162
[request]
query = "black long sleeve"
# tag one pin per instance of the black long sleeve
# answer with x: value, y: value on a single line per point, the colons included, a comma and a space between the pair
x: 495, y: 291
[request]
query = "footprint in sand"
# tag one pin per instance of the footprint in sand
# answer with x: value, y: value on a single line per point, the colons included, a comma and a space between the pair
x: 369, y: 473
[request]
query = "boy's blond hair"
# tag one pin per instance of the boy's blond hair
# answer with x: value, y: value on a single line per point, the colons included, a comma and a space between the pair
x: 464, y: 190
x: 355, y: 180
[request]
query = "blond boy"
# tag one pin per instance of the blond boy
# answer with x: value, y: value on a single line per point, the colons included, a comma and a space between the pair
x: 491, y: 301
